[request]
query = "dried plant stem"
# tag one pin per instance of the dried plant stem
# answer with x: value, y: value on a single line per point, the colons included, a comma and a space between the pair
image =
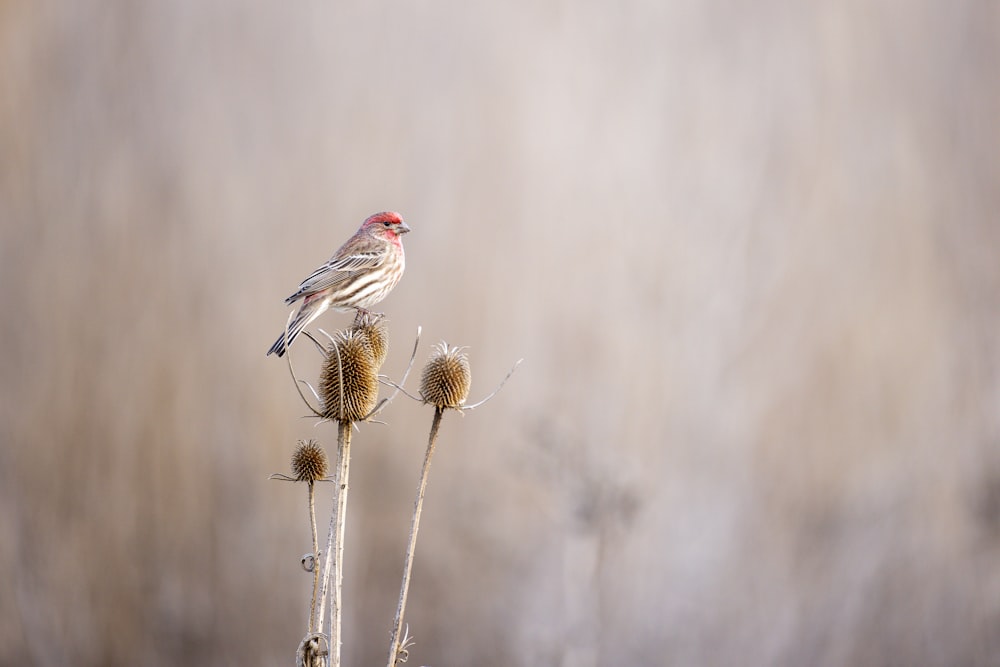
x: 333, y: 568
x: 315, y: 560
x: 337, y: 609
x: 414, y: 527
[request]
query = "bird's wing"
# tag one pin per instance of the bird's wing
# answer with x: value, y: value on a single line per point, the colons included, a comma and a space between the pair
x: 335, y: 271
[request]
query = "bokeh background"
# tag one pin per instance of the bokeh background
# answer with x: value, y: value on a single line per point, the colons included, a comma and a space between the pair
x: 750, y: 253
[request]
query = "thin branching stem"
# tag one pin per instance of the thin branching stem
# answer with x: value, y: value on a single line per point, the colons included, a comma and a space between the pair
x: 495, y: 391
x: 315, y: 559
x: 394, y: 646
x: 399, y: 388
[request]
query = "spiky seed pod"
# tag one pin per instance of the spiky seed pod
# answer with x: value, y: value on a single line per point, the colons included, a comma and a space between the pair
x: 445, y: 380
x: 372, y: 326
x: 357, y: 384
x: 309, y: 462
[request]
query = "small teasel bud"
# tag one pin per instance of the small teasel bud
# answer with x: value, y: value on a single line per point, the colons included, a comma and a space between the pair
x: 446, y: 377
x: 348, y: 382
x: 309, y: 462
x: 372, y: 327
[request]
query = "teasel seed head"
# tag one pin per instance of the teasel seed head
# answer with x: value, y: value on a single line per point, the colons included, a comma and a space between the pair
x: 445, y: 380
x: 348, y: 373
x: 372, y: 326
x: 309, y: 462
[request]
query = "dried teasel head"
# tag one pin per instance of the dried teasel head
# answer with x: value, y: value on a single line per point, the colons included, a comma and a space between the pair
x: 309, y: 462
x: 372, y: 326
x: 445, y: 380
x: 348, y: 382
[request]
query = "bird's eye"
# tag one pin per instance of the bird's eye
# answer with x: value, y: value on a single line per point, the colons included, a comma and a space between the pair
x: 387, y: 223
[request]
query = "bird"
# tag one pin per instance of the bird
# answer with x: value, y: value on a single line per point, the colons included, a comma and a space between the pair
x: 360, y: 274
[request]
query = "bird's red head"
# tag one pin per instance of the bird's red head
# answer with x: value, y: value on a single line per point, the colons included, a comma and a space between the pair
x: 387, y: 223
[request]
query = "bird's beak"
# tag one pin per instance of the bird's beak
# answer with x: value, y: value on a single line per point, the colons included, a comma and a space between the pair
x: 402, y: 228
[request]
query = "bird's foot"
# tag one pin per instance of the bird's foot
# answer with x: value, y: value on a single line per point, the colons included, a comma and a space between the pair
x: 366, y: 317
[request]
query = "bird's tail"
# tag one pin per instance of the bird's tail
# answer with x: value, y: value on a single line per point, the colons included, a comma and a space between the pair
x: 279, y: 346
x: 302, y: 319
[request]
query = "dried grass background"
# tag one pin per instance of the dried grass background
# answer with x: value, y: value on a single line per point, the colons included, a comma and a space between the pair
x: 749, y: 251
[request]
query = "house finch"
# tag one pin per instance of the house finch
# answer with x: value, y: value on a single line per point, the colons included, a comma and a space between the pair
x: 359, y: 275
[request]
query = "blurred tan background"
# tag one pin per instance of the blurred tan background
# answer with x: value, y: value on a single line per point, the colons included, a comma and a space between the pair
x: 750, y: 253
